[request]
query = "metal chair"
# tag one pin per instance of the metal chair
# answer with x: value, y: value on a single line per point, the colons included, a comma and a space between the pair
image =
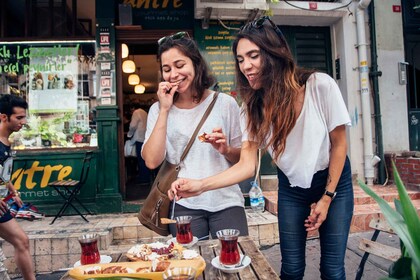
x: 68, y: 189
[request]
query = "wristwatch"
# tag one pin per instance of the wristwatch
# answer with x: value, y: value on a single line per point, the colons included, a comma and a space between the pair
x: 330, y: 194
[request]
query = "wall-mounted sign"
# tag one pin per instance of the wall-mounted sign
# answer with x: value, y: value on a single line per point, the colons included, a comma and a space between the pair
x: 53, y: 81
x: 152, y: 14
x: 215, y: 44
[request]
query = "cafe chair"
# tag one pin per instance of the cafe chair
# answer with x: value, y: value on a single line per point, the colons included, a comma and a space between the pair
x: 69, y: 189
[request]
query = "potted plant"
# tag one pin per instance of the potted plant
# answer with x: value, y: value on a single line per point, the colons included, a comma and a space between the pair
x: 405, y: 222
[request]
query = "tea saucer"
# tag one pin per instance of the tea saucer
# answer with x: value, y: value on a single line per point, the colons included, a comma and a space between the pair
x: 173, y: 240
x: 104, y: 259
x: 216, y: 263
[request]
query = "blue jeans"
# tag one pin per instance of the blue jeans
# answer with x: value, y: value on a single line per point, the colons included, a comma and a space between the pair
x: 144, y: 172
x: 294, y: 207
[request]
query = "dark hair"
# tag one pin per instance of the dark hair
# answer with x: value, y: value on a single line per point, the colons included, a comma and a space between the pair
x: 203, y: 79
x: 8, y: 102
x: 270, y: 109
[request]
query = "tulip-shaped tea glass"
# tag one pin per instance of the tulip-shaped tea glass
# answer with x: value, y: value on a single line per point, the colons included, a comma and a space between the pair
x: 229, y: 254
x: 90, y: 253
x: 179, y: 273
x: 183, y: 230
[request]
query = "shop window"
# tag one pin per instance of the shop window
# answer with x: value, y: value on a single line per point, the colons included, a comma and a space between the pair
x: 58, y: 80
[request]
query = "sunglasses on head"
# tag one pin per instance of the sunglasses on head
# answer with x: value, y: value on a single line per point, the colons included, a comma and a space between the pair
x: 176, y: 36
x: 258, y: 23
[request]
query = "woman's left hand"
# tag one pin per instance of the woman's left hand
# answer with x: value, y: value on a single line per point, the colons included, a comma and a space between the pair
x: 319, y: 212
x: 218, y: 140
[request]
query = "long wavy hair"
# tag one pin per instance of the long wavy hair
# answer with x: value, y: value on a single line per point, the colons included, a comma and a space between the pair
x: 270, y: 109
x: 203, y: 79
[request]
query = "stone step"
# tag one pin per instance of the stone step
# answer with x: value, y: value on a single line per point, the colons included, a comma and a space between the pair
x: 388, y: 192
x: 365, y: 208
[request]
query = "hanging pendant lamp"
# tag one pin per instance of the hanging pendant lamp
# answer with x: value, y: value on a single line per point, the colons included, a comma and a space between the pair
x: 133, y: 79
x: 124, y: 51
x: 128, y: 66
x: 139, y: 89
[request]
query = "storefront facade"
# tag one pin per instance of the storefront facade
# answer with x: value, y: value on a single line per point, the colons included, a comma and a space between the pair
x: 78, y: 93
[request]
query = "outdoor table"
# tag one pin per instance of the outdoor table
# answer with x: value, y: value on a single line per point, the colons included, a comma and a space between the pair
x: 208, y: 249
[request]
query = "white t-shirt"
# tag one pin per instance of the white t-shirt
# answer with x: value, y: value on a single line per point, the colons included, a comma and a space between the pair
x: 202, y: 160
x: 308, y: 143
x: 138, y: 126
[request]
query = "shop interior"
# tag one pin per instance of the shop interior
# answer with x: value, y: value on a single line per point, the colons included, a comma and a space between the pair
x: 140, y: 76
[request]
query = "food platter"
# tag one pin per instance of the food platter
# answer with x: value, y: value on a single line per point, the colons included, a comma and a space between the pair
x: 130, y: 270
x: 160, y: 251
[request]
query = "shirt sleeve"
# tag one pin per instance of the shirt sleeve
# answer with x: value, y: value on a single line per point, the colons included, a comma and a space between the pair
x: 332, y: 103
x: 152, y: 117
x: 133, y: 124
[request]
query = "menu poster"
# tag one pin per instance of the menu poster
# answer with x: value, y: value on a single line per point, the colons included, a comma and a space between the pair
x: 215, y: 44
x: 53, y: 80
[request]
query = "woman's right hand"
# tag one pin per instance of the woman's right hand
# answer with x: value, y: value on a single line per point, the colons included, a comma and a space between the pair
x: 165, y: 93
x: 183, y: 188
x: 3, y: 207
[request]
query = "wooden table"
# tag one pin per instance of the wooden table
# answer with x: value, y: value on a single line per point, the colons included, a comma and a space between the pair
x: 259, y: 268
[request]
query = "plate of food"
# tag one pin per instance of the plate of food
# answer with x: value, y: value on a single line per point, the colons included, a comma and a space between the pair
x: 152, y: 270
x: 160, y: 251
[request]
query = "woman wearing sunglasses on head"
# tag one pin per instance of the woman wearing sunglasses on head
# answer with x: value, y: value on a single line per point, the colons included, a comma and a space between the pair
x: 299, y: 116
x: 183, y: 98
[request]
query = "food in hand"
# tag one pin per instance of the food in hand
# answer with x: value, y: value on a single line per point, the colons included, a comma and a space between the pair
x: 203, y: 138
x: 166, y: 221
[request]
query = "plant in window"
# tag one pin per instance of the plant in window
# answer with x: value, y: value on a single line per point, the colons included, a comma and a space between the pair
x: 406, y: 224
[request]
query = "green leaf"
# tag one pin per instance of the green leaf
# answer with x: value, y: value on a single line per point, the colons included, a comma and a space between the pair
x: 398, y: 224
x: 409, y: 214
x: 401, y: 269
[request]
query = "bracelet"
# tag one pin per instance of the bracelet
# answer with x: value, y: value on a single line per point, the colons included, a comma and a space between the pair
x: 16, y: 193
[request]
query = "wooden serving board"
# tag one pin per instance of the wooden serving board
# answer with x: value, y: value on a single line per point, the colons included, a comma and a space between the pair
x: 79, y: 272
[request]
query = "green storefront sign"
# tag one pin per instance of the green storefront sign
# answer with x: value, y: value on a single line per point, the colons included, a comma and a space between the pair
x: 32, y: 171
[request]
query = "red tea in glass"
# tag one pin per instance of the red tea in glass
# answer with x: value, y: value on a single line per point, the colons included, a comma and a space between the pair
x: 90, y: 253
x: 229, y: 254
x: 183, y: 230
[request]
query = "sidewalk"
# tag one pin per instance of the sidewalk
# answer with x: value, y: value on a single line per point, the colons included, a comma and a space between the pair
x: 375, y: 267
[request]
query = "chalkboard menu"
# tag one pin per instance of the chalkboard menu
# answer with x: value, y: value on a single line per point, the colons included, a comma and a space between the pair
x: 215, y: 44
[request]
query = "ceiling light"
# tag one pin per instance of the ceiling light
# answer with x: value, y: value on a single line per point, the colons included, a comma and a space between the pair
x: 133, y: 79
x: 139, y: 89
x: 129, y: 66
x: 124, y: 51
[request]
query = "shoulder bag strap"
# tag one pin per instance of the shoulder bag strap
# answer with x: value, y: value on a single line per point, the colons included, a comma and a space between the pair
x: 200, y: 124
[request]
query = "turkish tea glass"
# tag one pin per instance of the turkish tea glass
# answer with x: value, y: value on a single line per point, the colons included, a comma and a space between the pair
x: 183, y: 230
x: 179, y: 273
x: 229, y: 254
x: 90, y: 253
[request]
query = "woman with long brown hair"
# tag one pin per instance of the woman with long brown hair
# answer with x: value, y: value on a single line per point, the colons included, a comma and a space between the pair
x: 299, y: 117
x: 184, y: 96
